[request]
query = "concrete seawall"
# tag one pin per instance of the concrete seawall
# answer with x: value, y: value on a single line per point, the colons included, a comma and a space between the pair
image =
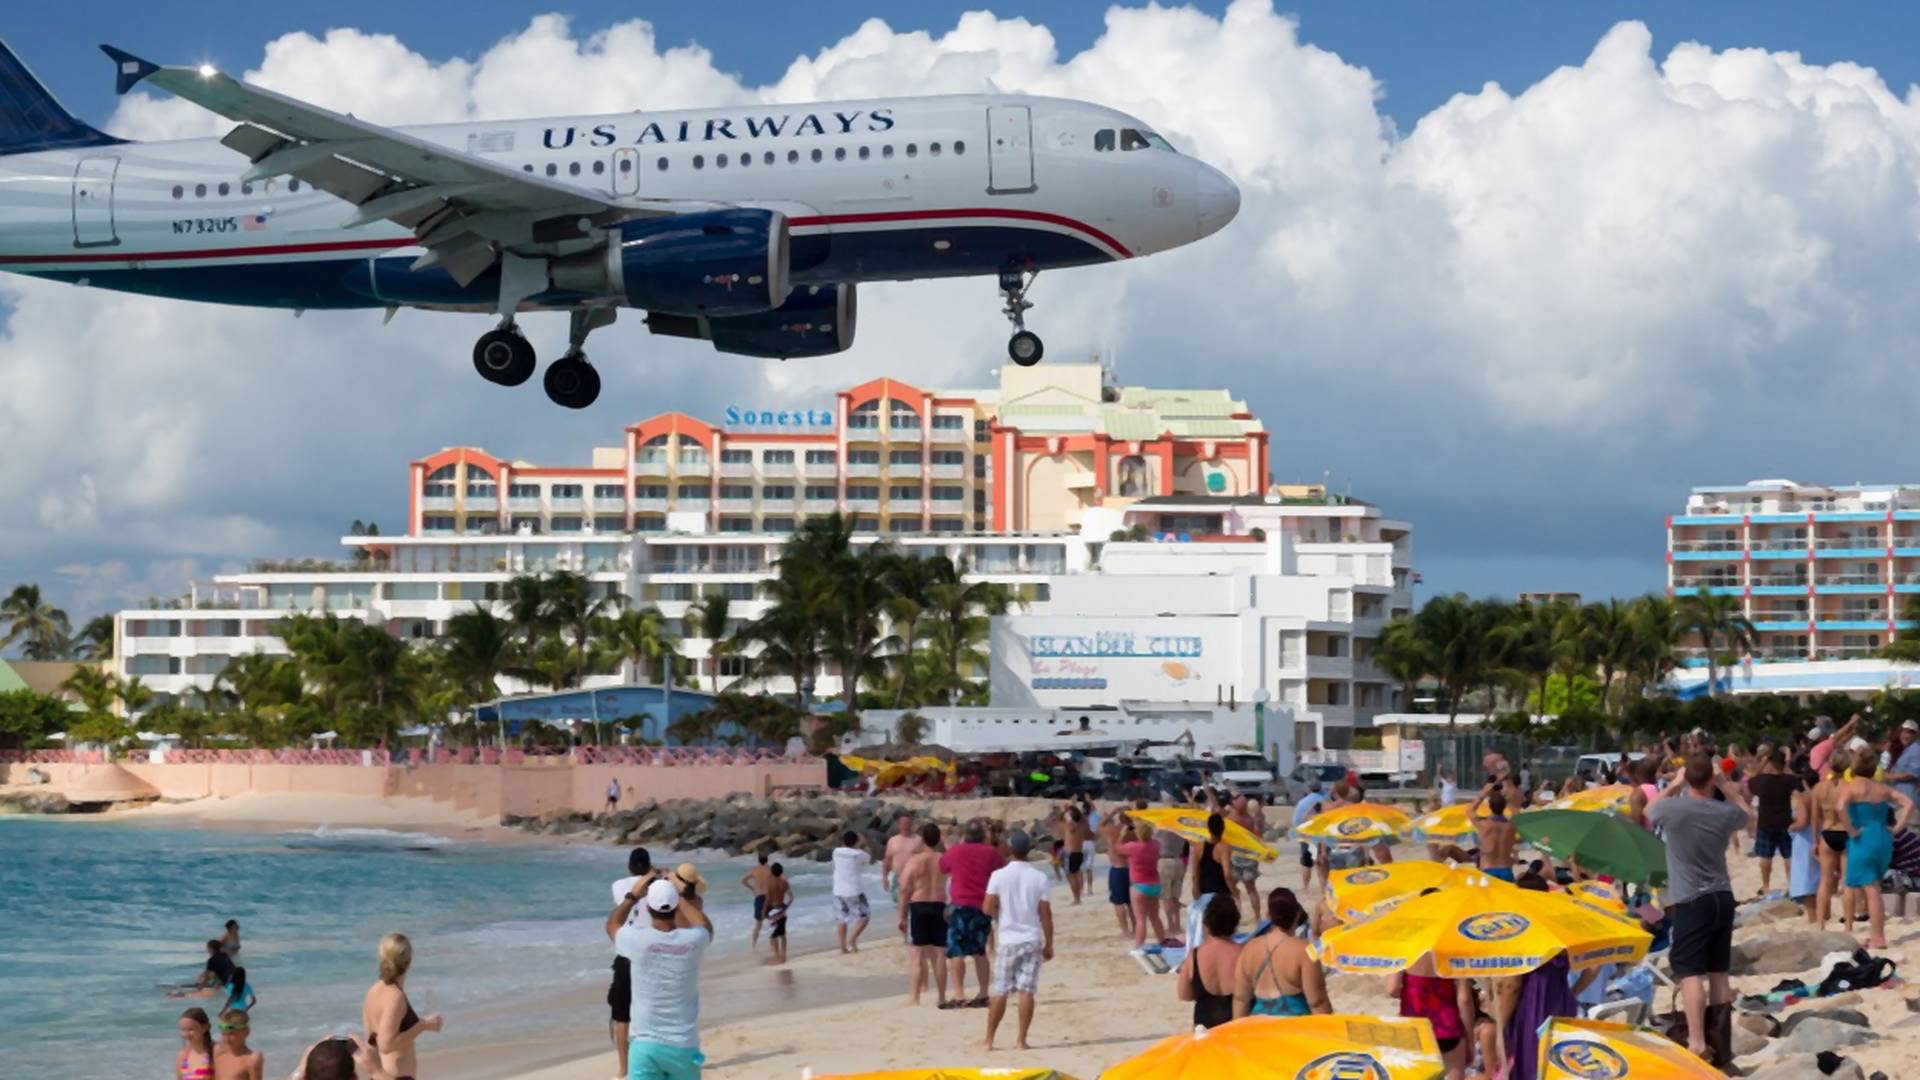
x: 490, y: 790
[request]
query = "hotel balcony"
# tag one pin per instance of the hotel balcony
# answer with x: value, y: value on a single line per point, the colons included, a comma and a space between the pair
x: 903, y: 506
x: 903, y: 470
x: 484, y: 504
x: 821, y: 468
x: 950, y: 436
x: 862, y: 429
x: 694, y: 466
x: 567, y: 502
x: 821, y: 506
x: 613, y: 504
x: 947, y: 472
x: 436, y: 502
x: 778, y: 468
x: 1847, y: 652
x: 776, y: 502
x: 736, y: 504
x: 1849, y: 583
x: 657, y: 505
x: 1859, y: 547
x: 863, y: 468
x: 868, y: 506
x: 736, y: 468
x: 692, y: 502
x: 1714, y: 582
x: 650, y: 463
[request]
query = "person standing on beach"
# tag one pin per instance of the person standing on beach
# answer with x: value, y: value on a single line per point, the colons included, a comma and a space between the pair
x: 1089, y: 847
x: 1773, y: 791
x: 387, y: 1015
x: 850, y: 907
x: 755, y: 880
x: 1865, y: 806
x: 1078, y: 837
x: 640, y: 873
x: 1112, y: 831
x: 900, y: 847
x: 1698, y: 813
x: 1303, y: 812
x: 779, y: 897
x: 968, y: 865
x: 233, y: 1059
x: 1016, y: 899
x: 923, y: 916
x: 613, y: 795
x: 665, y: 956
x: 1496, y: 833
x: 195, y: 1060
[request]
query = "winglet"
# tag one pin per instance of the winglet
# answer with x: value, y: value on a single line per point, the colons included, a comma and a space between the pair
x: 128, y: 69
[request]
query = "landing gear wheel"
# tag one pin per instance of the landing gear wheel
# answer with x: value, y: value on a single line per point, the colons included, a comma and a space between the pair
x: 503, y: 357
x: 1026, y: 348
x: 571, y: 382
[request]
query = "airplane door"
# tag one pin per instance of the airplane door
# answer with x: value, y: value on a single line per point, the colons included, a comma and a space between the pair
x: 626, y: 171
x: 1009, y: 149
x: 93, y: 201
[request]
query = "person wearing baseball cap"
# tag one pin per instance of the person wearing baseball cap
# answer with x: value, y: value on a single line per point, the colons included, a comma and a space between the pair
x: 640, y: 873
x: 664, y: 956
x: 1904, y: 775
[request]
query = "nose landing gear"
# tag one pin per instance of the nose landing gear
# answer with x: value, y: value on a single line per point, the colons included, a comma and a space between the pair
x: 1024, y: 347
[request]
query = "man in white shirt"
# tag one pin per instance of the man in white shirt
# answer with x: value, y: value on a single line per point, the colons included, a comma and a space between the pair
x: 665, y: 959
x: 850, y: 861
x: 1303, y: 812
x: 1449, y: 791
x: 640, y: 873
x: 1017, y: 901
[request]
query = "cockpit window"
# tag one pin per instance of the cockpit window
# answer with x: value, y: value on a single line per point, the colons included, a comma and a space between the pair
x: 1129, y: 139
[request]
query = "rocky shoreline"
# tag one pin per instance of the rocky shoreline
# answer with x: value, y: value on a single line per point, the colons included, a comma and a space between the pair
x: 799, y: 829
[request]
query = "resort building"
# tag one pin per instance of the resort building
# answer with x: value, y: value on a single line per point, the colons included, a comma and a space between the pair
x: 1823, y: 573
x: 1031, y: 455
x: 1064, y: 483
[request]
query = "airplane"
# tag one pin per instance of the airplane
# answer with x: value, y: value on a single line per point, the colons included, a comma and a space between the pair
x: 747, y: 226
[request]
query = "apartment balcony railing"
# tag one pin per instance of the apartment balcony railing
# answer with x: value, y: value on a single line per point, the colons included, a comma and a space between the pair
x: 1707, y: 545
x: 1796, y: 544
x: 947, y: 472
x: 1847, y: 652
x: 482, y: 503
x: 776, y: 502
x: 863, y: 468
x: 695, y: 466
x: 903, y: 506
x: 1861, y: 542
x: 1688, y: 584
x: 904, y: 469
x: 746, y: 504
x: 820, y: 506
x: 650, y: 462
x: 778, y: 468
x: 1848, y: 579
x: 436, y: 502
x: 949, y: 435
x: 867, y: 505
x: 1779, y: 582
x: 821, y: 468
x: 736, y: 468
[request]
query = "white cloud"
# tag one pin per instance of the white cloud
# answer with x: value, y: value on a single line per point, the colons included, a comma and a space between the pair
x: 1527, y: 323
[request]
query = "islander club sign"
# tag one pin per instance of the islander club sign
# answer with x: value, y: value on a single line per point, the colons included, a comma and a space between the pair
x: 742, y: 418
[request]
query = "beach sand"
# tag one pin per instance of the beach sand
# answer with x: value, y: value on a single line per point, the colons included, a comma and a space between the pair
x: 309, y: 811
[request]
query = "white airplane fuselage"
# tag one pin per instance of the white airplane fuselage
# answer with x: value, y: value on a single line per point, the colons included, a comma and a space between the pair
x: 879, y: 190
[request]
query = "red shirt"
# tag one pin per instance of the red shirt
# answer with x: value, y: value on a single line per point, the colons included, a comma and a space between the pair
x: 968, y: 866
x: 1143, y: 862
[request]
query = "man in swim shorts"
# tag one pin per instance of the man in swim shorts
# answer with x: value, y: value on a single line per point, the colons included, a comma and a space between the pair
x: 779, y: 898
x: 850, y: 861
x: 1078, y: 839
x: 900, y: 847
x: 756, y: 880
x: 968, y: 865
x: 924, y: 915
x: 1497, y: 834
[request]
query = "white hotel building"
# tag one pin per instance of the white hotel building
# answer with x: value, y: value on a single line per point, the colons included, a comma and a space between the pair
x: 1285, y: 590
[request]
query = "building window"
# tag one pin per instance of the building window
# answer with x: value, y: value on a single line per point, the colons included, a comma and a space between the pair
x: 736, y: 524
x: 904, y: 525
x: 437, y: 491
x: 866, y: 525
x: 482, y: 489
x: 736, y: 457
x: 528, y: 525
x: 565, y: 491
x: 737, y: 590
x: 863, y: 457
x: 816, y: 492
x: 649, y: 524
x: 903, y: 457
x: 863, y: 491
x: 903, y: 418
x: 437, y: 523
x: 649, y: 491
x: 523, y: 491
x: 566, y: 523
x: 693, y: 491
x: 736, y: 491
x: 733, y: 667
x: 608, y: 491
x: 904, y: 491
x: 980, y: 431
x: 949, y: 457
x: 777, y: 525
x: 777, y: 457
x: 608, y: 523
x: 823, y: 457
x: 980, y: 466
x: 777, y: 491
x: 949, y: 524
x: 949, y: 492
x: 949, y: 422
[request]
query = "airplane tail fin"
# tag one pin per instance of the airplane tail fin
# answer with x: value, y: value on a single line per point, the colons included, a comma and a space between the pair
x: 32, y: 119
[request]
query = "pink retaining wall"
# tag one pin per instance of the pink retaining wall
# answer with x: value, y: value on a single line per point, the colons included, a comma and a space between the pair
x: 489, y: 790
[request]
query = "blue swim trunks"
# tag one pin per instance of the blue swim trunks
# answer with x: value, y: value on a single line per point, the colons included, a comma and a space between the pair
x: 1117, y: 878
x: 647, y: 1060
x: 1504, y: 873
x: 967, y: 931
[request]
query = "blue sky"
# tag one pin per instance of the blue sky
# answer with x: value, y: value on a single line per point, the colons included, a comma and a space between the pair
x: 1522, y: 325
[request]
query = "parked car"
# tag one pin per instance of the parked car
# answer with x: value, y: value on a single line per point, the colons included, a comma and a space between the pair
x: 1251, y: 775
x: 1328, y: 773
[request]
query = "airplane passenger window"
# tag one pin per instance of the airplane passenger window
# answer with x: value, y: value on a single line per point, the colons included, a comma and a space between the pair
x: 552, y: 169
x: 573, y: 168
x: 816, y: 157
x: 599, y: 167
x: 526, y: 168
x: 178, y: 191
x: 959, y: 147
x: 767, y: 159
x: 793, y: 157
x: 746, y: 160
x: 886, y: 151
x: 223, y: 187
x: 1103, y: 140
x: 659, y: 166
x: 199, y: 191
x: 839, y: 153
x: 913, y: 150
x: 698, y: 161
x: 934, y: 149
x: 865, y: 153
x: 719, y: 161
x: 293, y: 185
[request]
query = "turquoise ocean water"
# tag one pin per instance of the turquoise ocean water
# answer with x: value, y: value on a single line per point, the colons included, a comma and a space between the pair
x: 98, y: 918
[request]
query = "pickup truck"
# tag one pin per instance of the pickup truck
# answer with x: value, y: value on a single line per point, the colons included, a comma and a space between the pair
x: 1248, y: 774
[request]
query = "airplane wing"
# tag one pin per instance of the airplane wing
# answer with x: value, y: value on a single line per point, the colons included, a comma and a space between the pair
x: 463, y: 209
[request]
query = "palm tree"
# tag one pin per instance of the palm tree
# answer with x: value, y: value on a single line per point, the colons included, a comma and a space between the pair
x: 1454, y: 642
x: 1401, y: 653
x: 855, y: 623
x: 710, y: 618
x: 95, y: 640
x: 911, y: 578
x: 1609, y: 629
x: 263, y: 687
x: 959, y: 613
x: 376, y: 676
x: 572, y: 608
x: 1716, y: 620
x: 96, y: 692
x: 478, y: 649
x: 134, y: 696
x: 642, y: 640
x: 41, y: 627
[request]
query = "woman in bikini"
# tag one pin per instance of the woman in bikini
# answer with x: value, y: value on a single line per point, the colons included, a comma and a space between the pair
x: 1276, y: 975
x: 1833, y: 835
x: 1207, y: 975
x: 392, y: 1025
x: 195, y: 1060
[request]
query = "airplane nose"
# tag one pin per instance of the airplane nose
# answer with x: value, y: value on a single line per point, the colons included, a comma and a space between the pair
x: 1217, y: 198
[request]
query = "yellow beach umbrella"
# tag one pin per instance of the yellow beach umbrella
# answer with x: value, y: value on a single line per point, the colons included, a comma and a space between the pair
x: 1293, y: 1048
x: 1486, y: 929
x: 1191, y: 822
x: 1357, y: 823
x: 1600, y: 894
x: 1371, y: 890
x: 1007, y: 1073
x: 1445, y: 824
x: 1612, y: 799
x: 1588, y: 1049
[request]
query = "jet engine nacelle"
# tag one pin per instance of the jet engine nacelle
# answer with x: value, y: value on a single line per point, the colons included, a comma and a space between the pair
x: 816, y: 320
x: 717, y: 263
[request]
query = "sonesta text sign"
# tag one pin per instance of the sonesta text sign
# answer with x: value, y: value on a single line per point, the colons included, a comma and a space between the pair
x: 738, y: 416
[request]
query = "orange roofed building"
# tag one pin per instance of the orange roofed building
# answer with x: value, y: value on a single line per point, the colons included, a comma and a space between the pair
x: 1031, y: 455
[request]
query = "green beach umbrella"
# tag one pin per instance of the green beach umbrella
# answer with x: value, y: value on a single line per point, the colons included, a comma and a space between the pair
x: 1603, y: 843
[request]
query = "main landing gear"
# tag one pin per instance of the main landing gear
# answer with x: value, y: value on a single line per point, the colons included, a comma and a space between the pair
x: 503, y: 356
x: 1024, y: 346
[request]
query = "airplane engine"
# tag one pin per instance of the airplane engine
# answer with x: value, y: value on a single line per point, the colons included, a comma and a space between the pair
x: 816, y: 320
x: 717, y: 263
